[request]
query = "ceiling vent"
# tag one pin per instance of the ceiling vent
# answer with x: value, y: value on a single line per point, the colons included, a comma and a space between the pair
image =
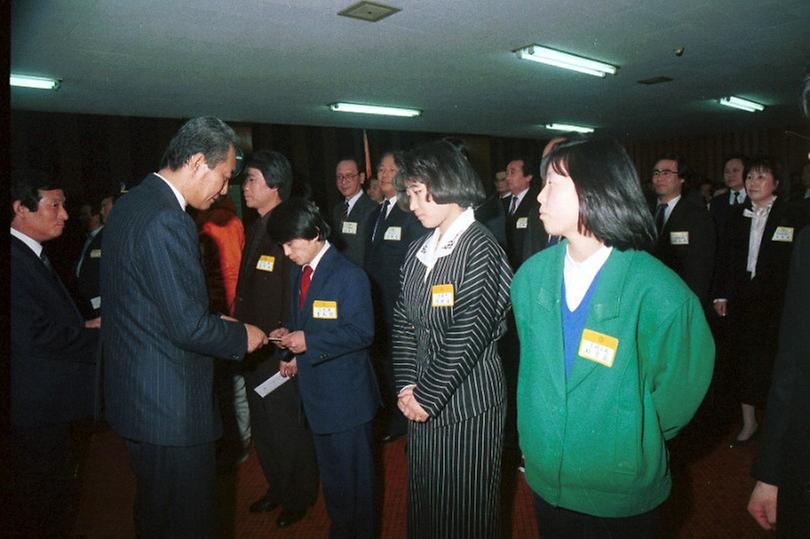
x: 655, y: 80
x: 368, y: 11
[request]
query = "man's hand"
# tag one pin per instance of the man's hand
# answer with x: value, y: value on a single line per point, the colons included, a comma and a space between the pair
x: 277, y: 334
x: 256, y: 338
x: 288, y: 368
x: 762, y: 504
x: 95, y: 323
x: 295, y: 342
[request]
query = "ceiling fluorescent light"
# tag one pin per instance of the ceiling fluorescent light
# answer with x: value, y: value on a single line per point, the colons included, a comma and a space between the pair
x: 742, y: 104
x: 544, y: 55
x: 569, y: 128
x: 40, y: 83
x: 374, y: 109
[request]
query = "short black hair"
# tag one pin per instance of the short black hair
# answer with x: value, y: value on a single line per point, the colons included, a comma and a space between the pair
x: 774, y: 166
x: 684, y: 170
x: 447, y: 175
x: 275, y: 168
x: 206, y: 135
x: 351, y: 159
x: 27, y: 186
x: 611, y: 204
x: 742, y: 158
x: 529, y: 165
x: 296, y: 218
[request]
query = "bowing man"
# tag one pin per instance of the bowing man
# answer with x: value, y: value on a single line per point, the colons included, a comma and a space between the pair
x: 329, y: 330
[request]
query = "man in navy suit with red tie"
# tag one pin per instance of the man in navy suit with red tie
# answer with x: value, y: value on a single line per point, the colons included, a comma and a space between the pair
x: 329, y: 330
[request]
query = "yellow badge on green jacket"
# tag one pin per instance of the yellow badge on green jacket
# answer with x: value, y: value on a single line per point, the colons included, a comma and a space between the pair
x: 598, y: 347
x: 442, y: 295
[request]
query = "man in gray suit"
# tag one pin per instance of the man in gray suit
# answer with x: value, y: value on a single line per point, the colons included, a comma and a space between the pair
x: 159, y: 339
x: 350, y: 216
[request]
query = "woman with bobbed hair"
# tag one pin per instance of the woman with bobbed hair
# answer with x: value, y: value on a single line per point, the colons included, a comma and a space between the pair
x: 450, y: 313
x: 750, y: 283
x: 616, y: 354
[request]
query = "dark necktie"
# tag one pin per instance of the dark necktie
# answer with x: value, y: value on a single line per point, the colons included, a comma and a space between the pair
x: 44, y: 258
x: 380, y: 219
x: 306, y: 278
x: 513, y: 206
x: 345, y: 211
x: 659, y: 217
x: 737, y: 200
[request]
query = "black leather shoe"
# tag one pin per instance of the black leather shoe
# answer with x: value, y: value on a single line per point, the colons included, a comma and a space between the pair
x: 288, y: 518
x: 263, y: 505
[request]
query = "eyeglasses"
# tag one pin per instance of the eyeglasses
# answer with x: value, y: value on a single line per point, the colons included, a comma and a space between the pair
x: 346, y: 177
x: 665, y: 172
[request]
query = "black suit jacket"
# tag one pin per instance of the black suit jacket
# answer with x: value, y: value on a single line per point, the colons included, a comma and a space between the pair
x: 687, y: 245
x: 720, y: 209
x: 89, y: 278
x: 384, y: 257
x: 159, y: 340
x: 784, y: 451
x: 517, y: 228
x: 52, y: 353
x: 352, y: 245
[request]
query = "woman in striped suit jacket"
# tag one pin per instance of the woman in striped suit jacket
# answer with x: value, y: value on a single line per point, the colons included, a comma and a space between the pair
x: 450, y: 313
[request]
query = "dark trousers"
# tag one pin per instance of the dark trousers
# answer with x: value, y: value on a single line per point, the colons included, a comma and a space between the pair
x: 283, y: 444
x: 793, y: 510
x: 176, y: 490
x: 347, y: 472
x: 42, y: 466
x: 555, y: 522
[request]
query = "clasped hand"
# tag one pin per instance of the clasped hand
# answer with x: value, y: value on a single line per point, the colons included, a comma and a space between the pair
x: 295, y: 341
x: 410, y: 407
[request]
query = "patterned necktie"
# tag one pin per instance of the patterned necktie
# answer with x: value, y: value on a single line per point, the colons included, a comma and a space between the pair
x: 659, y: 217
x: 513, y: 206
x: 306, y: 278
x: 345, y: 211
x: 380, y: 219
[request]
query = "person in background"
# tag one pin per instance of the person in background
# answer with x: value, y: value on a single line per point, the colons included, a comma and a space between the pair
x: 450, y: 313
x: 750, y: 283
x: 721, y: 205
x: 282, y: 440
x: 373, y: 190
x: 350, y: 216
x: 616, y: 354
x: 52, y: 363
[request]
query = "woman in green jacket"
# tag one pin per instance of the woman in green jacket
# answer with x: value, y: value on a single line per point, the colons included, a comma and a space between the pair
x: 616, y: 354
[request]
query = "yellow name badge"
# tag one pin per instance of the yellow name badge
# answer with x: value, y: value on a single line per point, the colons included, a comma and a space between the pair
x: 442, y: 295
x: 96, y: 253
x: 522, y: 222
x: 349, y: 227
x: 598, y: 347
x: 393, y: 233
x: 266, y: 263
x: 679, y: 238
x: 324, y: 310
x: 783, y: 233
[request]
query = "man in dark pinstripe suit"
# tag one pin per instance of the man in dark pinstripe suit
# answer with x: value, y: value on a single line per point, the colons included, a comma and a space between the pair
x: 159, y: 339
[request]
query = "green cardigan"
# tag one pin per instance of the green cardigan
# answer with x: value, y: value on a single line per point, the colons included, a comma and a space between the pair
x: 595, y: 442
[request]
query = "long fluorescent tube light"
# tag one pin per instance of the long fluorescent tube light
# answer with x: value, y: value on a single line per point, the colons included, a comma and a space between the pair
x: 569, y: 128
x: 374, y: 109
x: 40, y: 83
x: 742, y: 104
x: 544, y: 55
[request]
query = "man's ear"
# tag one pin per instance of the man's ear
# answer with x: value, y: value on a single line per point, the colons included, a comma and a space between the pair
x: 197, y: 160
x: 19, y: 208
x: 362, y: 178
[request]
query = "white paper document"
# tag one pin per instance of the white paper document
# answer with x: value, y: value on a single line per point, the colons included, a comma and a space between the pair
x: 270, y: 385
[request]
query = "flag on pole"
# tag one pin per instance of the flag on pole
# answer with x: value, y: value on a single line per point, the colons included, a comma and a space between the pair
x: 367, y: 153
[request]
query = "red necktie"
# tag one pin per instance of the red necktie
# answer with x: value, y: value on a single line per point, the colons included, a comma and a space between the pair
x: 306, y: 277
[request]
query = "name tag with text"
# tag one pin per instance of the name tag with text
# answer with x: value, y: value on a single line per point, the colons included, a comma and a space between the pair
x: 349, y: 227
x: 324, y: 310
x: 393, y: 233
x: 266, y: 263
x: 442, y: 295
x: 679, y: 238
x: 598, y: 347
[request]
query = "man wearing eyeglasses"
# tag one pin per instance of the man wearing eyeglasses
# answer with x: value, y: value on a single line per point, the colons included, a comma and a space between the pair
x: 686, y: 234
x: 350, y: 216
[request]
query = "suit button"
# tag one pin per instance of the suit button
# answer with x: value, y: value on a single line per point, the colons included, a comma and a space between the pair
x: 323, y: 356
